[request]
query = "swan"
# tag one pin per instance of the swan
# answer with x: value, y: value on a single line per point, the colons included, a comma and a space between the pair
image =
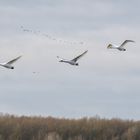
x: 8, y: 65
x: 73, y: 61
x: 121, y: 47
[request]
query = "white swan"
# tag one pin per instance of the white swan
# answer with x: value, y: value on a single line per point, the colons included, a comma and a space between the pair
x: 73, y: 61
x: 121, y: 47
x: 9, y: 64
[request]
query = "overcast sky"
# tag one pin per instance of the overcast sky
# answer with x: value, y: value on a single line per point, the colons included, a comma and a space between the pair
x: 106, y: 83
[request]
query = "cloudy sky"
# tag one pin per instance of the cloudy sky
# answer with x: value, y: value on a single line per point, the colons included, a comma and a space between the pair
x: 106, y: 83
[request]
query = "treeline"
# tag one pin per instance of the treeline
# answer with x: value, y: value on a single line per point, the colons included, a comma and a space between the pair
x: 49, y: 128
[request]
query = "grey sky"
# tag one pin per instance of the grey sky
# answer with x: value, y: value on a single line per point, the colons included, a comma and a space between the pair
x: 107, y: 81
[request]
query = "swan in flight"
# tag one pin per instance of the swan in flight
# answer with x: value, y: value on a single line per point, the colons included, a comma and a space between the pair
x: 73, y: 61
x: 9, y: 64
x: 121, y: 47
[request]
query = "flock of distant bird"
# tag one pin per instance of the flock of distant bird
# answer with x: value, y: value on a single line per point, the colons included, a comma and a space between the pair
x: 50, y: 37
x: 73, y: 61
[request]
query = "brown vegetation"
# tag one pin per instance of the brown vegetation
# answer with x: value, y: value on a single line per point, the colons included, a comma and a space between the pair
x: 40, y: 128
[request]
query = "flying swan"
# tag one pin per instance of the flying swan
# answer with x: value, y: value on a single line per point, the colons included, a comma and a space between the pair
x: 73, y: 61
x: 121, y: 47
x: 9, y: 64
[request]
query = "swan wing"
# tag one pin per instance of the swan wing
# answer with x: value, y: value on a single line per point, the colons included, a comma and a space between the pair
x: 78, y: 57
x: 14, y: 60
x: 125, y: 42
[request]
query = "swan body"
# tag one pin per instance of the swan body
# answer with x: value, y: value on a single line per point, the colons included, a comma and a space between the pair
x: 121, y: 47
x: 73, y: 61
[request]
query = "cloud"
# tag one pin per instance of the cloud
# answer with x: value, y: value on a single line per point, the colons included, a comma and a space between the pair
x: 106, y: 80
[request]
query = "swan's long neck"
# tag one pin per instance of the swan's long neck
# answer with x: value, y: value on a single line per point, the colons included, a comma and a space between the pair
x: 1, y: 64
x: 66, y: 61
x: 114, y: 46
x: 69, y: 62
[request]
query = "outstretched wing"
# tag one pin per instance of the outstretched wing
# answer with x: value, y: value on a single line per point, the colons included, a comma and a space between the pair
x: 78, y: 57
x: 126, y: 41
x: 13, y: 61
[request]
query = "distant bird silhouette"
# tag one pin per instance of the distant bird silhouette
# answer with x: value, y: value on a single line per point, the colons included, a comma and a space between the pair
x: 9, y: 64
x: 121, y: 47
x: 34, y: 72
x: 73, y: 61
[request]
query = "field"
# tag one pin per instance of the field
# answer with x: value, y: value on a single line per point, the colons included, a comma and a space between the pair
x: 49, y: 128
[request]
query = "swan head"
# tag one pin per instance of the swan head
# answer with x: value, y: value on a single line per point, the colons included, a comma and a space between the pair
x: 12, y: 67
x: 109, y: 46
x: 77, y: 64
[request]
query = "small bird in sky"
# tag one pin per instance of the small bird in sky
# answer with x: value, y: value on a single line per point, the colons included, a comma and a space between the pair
x: 35, y: 72
x: 121, y: 47
x: 9, y: 64
x: 73, y: 61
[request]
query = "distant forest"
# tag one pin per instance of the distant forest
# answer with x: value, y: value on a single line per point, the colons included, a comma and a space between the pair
x: 49, y: 128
